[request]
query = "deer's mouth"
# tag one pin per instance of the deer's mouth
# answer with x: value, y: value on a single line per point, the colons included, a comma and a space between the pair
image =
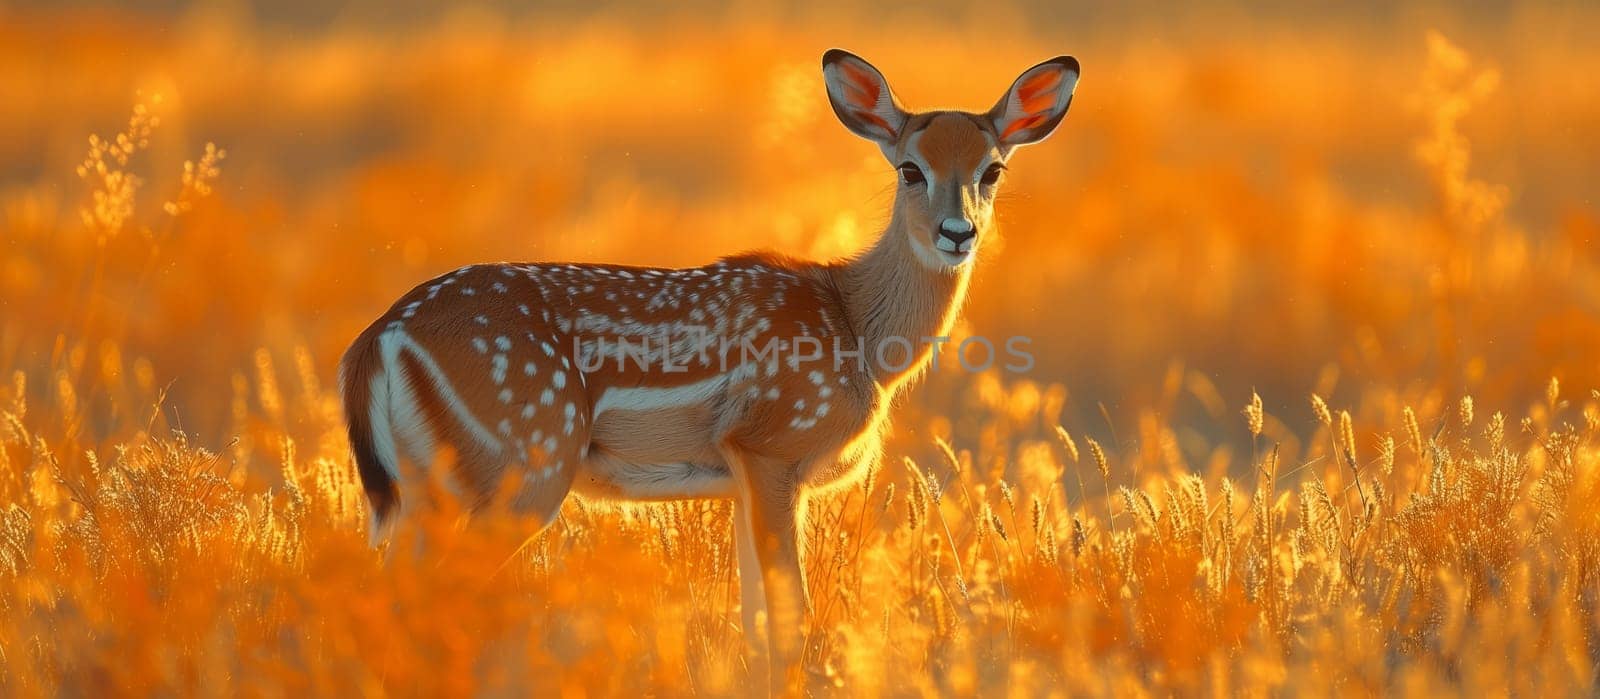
x: 954, y: 258
x: 954, y: 249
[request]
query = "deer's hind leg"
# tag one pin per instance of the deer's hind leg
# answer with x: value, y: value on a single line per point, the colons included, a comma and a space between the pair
x: 550, y: 433
x: 511, y: 407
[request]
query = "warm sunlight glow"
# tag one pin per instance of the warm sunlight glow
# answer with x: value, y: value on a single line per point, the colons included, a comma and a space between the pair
x: 1314, y: 303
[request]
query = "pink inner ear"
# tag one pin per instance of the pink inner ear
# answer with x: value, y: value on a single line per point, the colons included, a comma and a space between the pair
x: 863, y: 84
x: 1038, y: 93
x: 875, y: 120
x: 1021, y: 123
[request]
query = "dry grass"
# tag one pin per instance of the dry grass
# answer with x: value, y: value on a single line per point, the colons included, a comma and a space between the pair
x: 1292, y: 428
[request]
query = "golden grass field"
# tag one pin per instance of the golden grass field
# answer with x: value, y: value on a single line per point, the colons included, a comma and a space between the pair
x: 1315, y: 301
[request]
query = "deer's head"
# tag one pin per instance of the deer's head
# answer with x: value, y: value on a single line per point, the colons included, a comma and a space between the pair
x: 949, y: 163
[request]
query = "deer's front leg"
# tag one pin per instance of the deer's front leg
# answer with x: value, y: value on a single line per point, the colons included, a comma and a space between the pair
x: 752, y: 593
x: 768, y: 503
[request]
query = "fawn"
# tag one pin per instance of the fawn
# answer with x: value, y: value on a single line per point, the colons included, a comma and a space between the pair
x: 617, y: 382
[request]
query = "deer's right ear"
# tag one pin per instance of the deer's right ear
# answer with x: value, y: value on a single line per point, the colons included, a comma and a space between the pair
x: 862, y: 98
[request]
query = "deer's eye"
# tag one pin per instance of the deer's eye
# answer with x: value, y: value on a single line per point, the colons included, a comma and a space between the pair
x: 992, y: 175
x: 911, y: 174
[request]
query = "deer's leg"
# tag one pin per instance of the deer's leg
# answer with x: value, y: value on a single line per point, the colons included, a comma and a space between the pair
x: 543, y: 478
x: 752, y: 593
x: 769, y: 500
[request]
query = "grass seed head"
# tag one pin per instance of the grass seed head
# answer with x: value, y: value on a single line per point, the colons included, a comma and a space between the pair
x: 1099, y: 459
x: 1320, y: 408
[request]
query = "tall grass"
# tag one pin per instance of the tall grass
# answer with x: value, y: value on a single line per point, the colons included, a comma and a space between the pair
x: 1471, y: 564
x: 1357, y: 475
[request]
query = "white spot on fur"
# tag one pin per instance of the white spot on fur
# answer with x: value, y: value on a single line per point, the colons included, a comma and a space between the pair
x: 497, y: 370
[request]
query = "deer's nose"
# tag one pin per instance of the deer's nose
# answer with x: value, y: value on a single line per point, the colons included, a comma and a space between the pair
x: 956, y: 234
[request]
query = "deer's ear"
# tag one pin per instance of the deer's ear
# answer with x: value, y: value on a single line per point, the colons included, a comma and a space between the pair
x: 1036, y: 102
x: 862, y: 98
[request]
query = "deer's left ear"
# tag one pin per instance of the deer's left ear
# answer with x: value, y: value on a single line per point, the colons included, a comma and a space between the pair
x: 1036, y: 102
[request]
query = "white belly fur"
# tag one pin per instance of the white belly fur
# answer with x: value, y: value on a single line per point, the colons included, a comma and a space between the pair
x: 656, y: 444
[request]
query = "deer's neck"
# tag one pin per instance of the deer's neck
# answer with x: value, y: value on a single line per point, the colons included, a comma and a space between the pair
x: 893, y: 299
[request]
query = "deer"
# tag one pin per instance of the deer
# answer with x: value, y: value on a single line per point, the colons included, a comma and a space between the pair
x: 510, y: 367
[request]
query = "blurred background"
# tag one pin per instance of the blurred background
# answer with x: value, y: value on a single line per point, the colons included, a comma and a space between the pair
x: 1382, y: 204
